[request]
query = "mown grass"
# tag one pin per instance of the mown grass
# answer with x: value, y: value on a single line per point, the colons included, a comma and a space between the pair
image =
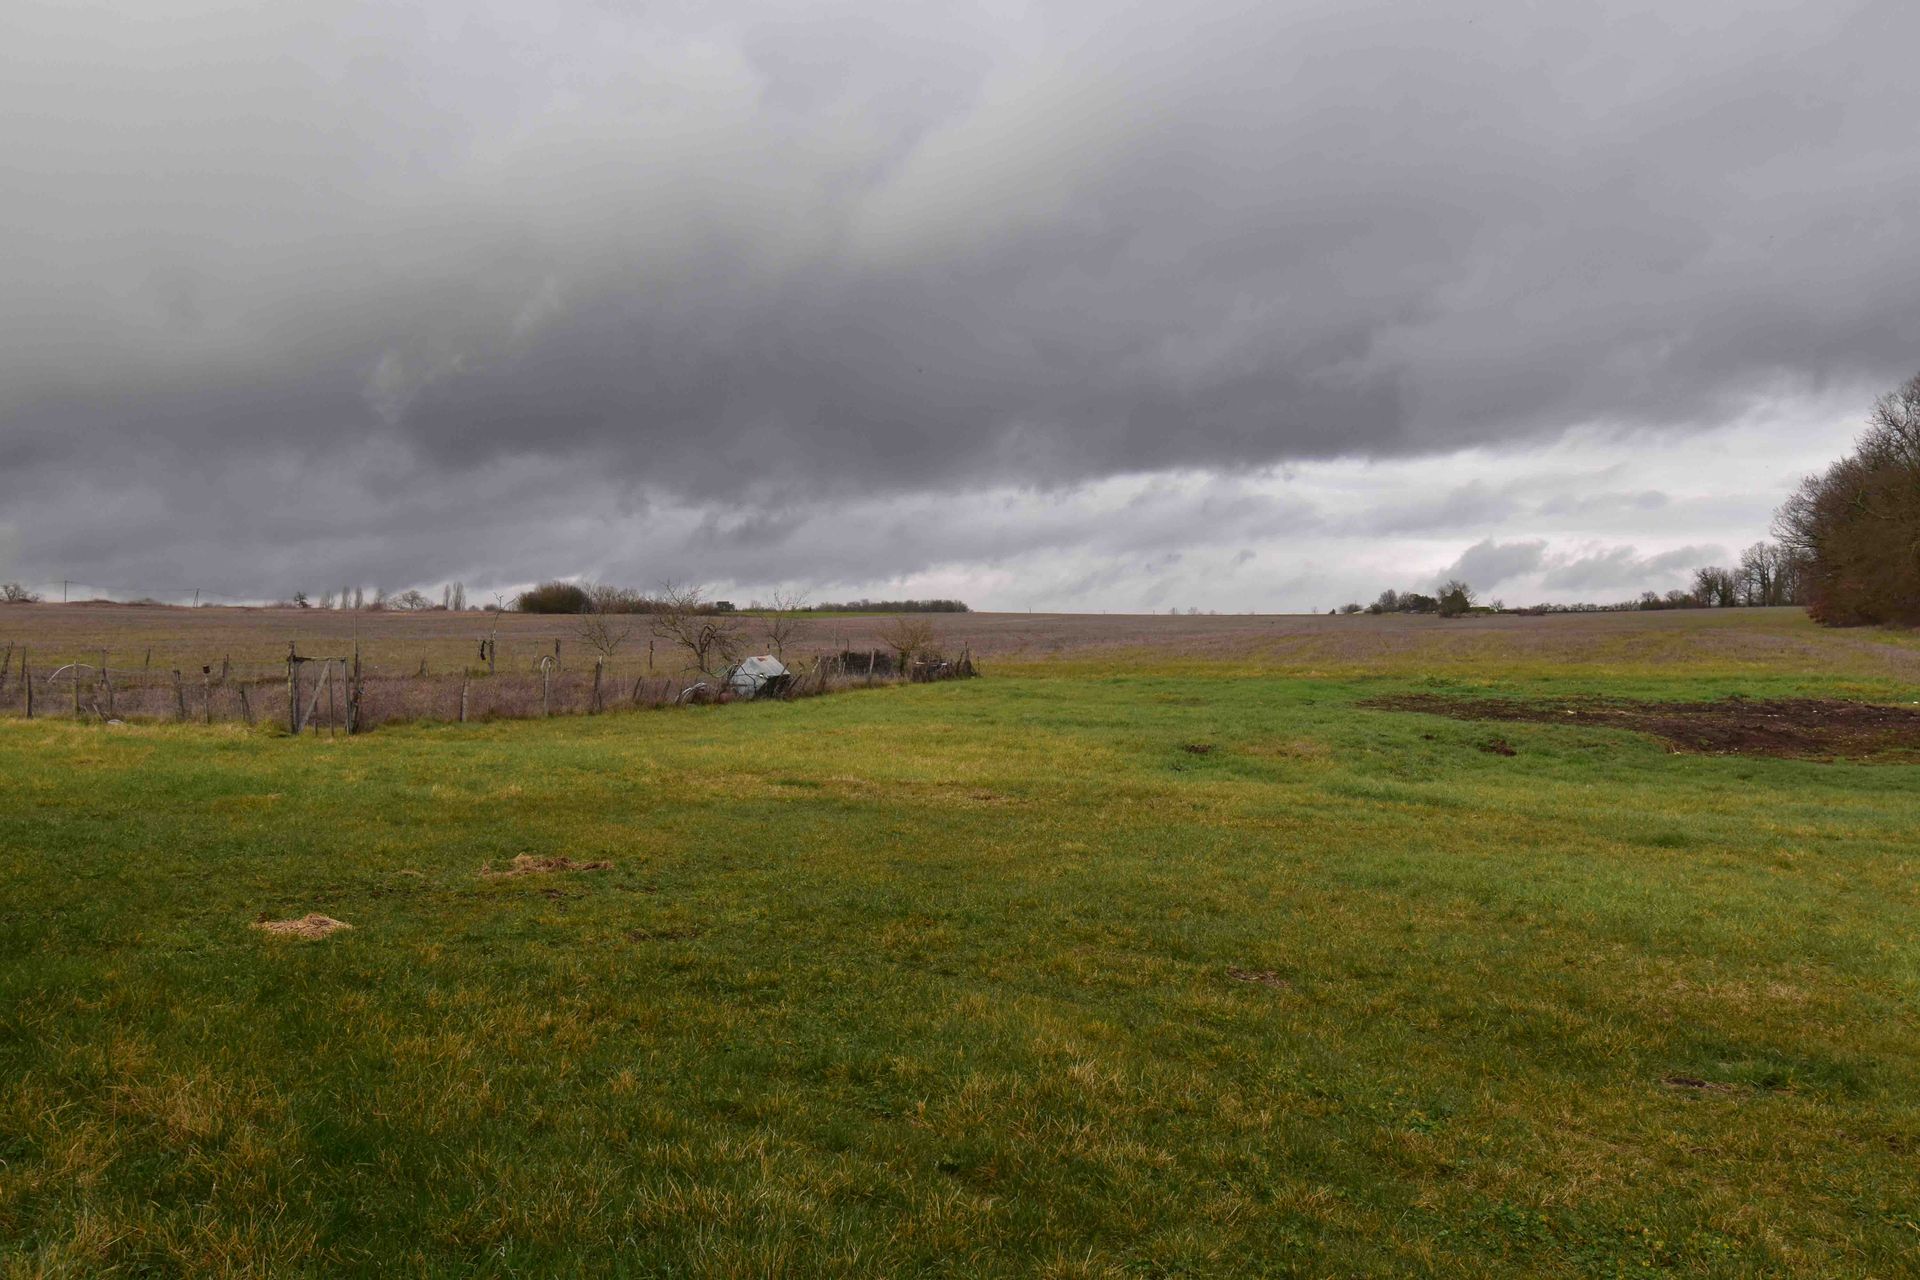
x: 942, y: 980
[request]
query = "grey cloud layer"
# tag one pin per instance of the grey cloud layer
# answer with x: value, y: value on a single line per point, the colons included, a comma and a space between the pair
x: 763, y: 259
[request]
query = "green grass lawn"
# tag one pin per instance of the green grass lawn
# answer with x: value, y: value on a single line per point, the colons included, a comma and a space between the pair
x: 978, y: 979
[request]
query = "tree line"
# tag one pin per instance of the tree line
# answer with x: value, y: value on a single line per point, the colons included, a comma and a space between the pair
x: 1846, y: 548
x: 1767, y: 574
x: 453, y: 598
x: 1853, y: 531
x: 1451, y: 599
x: 573, y: 597
x: 559, y: 596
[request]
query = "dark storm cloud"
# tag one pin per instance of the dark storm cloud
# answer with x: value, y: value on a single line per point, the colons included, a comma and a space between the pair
x: 1471, y: 504
x: 343, y: 289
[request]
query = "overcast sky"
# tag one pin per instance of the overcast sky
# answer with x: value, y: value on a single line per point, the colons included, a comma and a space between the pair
x: 1236, y: 306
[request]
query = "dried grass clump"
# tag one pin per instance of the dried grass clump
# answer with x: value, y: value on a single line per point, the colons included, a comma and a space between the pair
x: 526, y: 864
x: 312, y: 925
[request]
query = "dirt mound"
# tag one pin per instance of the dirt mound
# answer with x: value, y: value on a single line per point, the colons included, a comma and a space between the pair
x: 312, y: 925
x: 527, y: 864
x: 1799, y: 728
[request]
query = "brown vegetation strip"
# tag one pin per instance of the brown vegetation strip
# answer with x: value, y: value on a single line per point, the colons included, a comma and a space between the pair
x: 1801, y: 728
x: 527, y: 865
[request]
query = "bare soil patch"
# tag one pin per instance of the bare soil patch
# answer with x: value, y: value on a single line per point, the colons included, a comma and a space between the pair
x: 527, y: 864
x: 1697, y: 1085
x: 1261, y: 977
x: 1796, y: 728
x: 312, y: 925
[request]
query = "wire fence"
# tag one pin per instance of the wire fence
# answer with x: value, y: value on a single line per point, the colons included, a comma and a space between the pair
x: 340, y: 694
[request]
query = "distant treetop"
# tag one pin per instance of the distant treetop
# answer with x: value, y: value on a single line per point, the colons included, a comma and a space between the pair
x: 552, y: 597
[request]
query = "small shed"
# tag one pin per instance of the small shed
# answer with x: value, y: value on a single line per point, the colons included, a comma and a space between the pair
x: 751, y: 677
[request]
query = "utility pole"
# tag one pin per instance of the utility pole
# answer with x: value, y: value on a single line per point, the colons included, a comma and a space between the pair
x: 196, y: 597
x: 63, y: 591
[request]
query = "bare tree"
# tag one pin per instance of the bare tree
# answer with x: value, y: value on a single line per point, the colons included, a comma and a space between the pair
x: 605, y: 624
x: 14, y: 593
x: 686, y: 619
x: 786, y: 620
x: 1715, y: 588
x: 1763, y: 571
x: 907, y: 636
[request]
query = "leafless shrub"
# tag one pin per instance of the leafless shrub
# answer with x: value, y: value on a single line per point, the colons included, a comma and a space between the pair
x: 605, y: 621
x: 684, y: 618
x: 786, y: 621
x: 907, y: 636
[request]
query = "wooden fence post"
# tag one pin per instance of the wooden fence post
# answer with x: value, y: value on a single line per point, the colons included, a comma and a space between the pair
x: 293, y: 691
x: 354, y: 690
x: 5, y: 663
x: 464, y: 682
x: 546, y: 689
x: 246, y: 708
x: 106, y: 679
x: 599, y: 666
x: 206, y: 689
x: 26, y: 680
x: 76, y: 690
x: 179, y: 694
